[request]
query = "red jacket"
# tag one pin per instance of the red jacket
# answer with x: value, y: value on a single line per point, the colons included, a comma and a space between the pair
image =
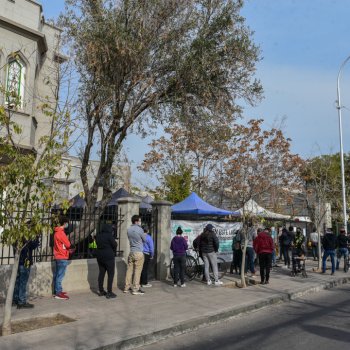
x: 61, y: 244
x: 263, y: 243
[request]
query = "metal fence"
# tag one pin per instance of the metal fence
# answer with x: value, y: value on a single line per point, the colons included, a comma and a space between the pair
x: 82, y: 225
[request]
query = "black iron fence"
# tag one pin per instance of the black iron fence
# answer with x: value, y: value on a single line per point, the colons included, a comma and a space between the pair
x: 83, y: 226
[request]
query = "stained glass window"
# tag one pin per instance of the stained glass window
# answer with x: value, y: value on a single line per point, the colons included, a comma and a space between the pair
x: 15, y: 82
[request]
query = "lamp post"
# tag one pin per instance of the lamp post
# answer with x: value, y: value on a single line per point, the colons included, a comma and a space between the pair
x: 339, y: 107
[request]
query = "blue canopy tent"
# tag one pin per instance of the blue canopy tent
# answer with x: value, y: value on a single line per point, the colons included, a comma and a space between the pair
x: 193, y: 204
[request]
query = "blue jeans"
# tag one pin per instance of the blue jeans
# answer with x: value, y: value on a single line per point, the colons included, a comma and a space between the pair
x: 331, y: 253
x: 342, y: 252
x: 250, y: 260
x: 61, y: 266
x: 20, y: 291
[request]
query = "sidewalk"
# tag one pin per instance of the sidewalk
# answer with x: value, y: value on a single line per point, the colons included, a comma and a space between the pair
x: 132, y: 320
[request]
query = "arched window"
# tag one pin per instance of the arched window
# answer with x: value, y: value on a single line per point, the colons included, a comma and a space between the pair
x: 15, y: 83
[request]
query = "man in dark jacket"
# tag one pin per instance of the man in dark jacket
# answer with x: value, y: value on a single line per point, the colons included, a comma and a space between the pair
x: 25, y: 263
x: 209, y: 246
x: 105, y: 254
x: 342, y: 244
x: 329, y: 243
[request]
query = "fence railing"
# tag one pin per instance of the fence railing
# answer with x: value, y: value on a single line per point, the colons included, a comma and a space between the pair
x: 82, y: 225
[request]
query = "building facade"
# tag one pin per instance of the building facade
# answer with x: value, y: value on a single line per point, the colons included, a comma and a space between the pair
x: 29, y: 63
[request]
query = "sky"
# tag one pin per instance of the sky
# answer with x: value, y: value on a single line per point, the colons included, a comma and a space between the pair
x: 303, y: 44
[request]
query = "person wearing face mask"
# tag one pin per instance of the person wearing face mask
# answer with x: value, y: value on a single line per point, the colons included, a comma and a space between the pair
x: 61, y: 254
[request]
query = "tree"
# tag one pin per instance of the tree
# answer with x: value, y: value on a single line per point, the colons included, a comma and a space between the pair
x: 24, y: 194
x: 144, y: 62
x: 257, y: 161
x: 322, y: 185
x: 197, y: 146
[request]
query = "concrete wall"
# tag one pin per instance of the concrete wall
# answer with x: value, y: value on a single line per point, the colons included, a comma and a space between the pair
x: 80, y: 275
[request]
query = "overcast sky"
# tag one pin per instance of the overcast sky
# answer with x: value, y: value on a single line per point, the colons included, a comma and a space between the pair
x: 303, y: 44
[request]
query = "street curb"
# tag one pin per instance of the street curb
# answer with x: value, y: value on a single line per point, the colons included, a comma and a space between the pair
x: 193, y: 324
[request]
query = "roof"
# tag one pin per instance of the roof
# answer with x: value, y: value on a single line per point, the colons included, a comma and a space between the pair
x: 193, y: 204
x: 254, y: 209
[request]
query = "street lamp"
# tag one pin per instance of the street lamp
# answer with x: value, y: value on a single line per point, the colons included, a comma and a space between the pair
x: 339, y: 107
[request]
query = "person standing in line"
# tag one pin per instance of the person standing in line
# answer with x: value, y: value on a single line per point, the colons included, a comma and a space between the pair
x: 23, y: 272
x: 314, y: 243
x: 105, y: 254
x: 298, y: 251
x: 287, y: 239
x: 237, y: 253
x: 148, y: 253
x: 249, y: 265
x: 209, y: 243
x: 280, y: 244
x: 264, y: 246
x: 329, y: 243
x: 342, y: 244
x: 179, y: 246
x: 61, y: 254
x: 136, y: 238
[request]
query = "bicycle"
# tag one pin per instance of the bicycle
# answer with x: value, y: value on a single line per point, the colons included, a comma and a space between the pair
x: 194, y: 266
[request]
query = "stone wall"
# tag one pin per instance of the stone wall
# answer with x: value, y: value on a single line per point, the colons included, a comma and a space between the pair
x: 80, y: 275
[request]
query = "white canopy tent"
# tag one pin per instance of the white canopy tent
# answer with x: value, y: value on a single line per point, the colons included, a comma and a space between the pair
x: 252, y: 208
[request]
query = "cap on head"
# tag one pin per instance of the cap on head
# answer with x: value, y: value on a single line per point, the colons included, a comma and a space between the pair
x: 209, y: 227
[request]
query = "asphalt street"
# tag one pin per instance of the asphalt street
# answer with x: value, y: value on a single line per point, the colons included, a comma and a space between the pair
x: 317, y: 321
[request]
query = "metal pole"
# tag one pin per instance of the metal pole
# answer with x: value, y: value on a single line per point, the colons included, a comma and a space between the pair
x: 339, y: 107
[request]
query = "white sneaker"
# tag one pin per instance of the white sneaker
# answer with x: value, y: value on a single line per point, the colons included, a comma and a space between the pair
x: 209, y: 283
x: 183, y: 285
x: 219, y: 283
x: 175, y: 285
x: 148, y: 285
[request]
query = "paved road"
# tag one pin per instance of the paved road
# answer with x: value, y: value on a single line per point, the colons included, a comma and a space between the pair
x: 317, y: 321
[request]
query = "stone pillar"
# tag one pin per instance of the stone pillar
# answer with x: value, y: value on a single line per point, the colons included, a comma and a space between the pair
x: 127, y: 207
x: 162, y: 215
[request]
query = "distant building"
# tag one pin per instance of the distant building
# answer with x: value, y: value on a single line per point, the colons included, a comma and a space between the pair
x: 68, y: 187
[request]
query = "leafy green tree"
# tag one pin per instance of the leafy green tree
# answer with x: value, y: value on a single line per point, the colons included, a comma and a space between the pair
x: 24, y: 194
x: 178, y: 185
x: 145, y: 62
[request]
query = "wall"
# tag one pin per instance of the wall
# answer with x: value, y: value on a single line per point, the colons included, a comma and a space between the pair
x: 81, y: 275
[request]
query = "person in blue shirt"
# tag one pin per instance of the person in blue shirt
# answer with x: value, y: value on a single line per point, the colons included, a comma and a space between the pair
x: 148, y: 252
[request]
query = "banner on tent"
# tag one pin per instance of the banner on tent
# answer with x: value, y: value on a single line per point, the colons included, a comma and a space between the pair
x: 224, y: 230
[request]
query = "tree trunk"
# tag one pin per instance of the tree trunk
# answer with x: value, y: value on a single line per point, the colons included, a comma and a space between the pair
x: 6, y: 325
x: 244, y: 232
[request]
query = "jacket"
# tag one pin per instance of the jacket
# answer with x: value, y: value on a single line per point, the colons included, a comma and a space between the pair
x: 263, y: 243
x: 61, y: 244
x: 250, y: 236
x: 178, y: 245
x: 342, y: 241
x: 26, y: 255
x: 106, y: 244
x: 136, y: 238
x: 329, y: 241
x: 287, y: 238
x: 209, y: 242
x: 148, y: 246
